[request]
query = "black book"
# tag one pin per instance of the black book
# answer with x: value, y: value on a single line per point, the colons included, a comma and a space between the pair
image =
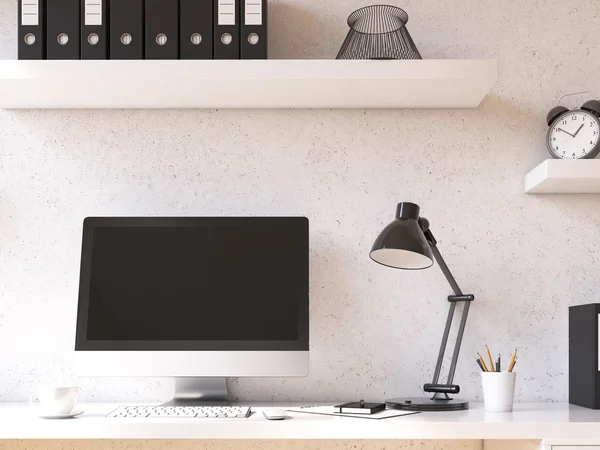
x: 94, y: 29
x: 63, y: 29
x: 584, y: 374
x: 226, y: 29
x: 196, y: 29
x: 254, y: 34
x: 359, y: 408
x: 162, y: 29
x: 31, y: 29
x: 126, y: 29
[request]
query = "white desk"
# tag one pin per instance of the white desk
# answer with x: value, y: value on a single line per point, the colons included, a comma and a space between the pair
x: 528, y: 421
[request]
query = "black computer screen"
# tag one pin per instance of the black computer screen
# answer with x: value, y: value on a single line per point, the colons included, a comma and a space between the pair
x: 195, y: 279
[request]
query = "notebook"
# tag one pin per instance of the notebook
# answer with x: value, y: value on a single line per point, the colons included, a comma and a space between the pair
x: 328, y: 411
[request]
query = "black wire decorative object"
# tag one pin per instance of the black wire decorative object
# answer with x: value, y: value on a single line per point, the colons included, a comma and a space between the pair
x: 378, y: 32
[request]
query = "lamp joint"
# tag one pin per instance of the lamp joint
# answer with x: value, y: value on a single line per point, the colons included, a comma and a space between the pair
x: 461, y: 298
x: 429, y: 236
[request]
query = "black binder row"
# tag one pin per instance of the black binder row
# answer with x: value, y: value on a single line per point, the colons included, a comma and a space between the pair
x: 142, y: 29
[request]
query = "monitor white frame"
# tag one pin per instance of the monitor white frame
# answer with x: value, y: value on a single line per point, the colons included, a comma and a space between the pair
x: 192, y: 363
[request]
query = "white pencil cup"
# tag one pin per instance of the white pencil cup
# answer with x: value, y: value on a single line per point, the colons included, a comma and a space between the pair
x: 498, y: 390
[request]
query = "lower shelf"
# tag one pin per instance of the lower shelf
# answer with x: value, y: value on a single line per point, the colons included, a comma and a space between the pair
x: 555, y: 176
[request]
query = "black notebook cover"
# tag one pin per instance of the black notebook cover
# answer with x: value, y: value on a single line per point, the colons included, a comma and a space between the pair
x: 62, y: 29
x: 31, y: 29
x: 126, y: 29
x: 94, y: 29
x: 196, y: 29
x: 162, y: 29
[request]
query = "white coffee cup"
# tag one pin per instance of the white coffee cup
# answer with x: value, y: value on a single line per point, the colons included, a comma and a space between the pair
x: 55, y: 400
x: 498, y: 390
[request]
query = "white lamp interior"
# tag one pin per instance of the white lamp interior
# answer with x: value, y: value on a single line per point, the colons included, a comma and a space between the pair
x: 401, y: 259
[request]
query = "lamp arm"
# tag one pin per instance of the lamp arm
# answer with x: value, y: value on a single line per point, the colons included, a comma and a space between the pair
x: 440, y: 261
x: 453, y: 299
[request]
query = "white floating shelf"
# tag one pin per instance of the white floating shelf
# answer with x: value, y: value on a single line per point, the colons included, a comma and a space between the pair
x: 555, y: 176
x: 246, y: 84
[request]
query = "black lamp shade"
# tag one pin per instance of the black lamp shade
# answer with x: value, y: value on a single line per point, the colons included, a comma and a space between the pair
x: 402, y: 244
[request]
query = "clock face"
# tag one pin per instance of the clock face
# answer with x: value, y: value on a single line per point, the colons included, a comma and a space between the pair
x: 574, y: 135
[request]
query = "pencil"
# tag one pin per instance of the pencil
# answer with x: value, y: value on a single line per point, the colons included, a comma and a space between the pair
x: 512, y: 366
x: 512, y: 361
x: 490, y: 358
x: 482, y: 362
x: 479, y: 364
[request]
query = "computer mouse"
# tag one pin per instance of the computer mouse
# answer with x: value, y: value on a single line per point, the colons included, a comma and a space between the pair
x: 274, y: 414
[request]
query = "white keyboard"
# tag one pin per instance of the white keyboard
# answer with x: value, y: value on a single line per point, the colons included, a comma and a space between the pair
x: 181, y: 412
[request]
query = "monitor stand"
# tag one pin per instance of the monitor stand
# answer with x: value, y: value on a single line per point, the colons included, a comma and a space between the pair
x: 199, y: 392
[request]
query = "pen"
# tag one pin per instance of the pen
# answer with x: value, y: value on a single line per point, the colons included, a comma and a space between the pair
x: 479, y: 364
x: 498, y: 369
x: 482, y: 362
x: 490, y: 358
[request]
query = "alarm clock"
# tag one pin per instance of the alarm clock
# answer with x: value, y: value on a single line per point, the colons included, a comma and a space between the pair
x: 574, y: 133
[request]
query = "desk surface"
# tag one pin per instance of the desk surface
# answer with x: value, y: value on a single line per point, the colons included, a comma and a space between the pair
x: 528, y: 421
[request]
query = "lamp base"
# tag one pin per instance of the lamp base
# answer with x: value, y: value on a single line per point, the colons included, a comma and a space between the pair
x: 427, y: 404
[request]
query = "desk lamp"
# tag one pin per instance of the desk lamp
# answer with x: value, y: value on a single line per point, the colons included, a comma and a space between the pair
x: 407, y: 243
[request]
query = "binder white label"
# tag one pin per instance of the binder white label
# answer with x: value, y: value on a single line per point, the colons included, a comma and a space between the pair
x: 227, y: 12
x: 30, y: 12
x: 253, y: 12
x: 93, y: 12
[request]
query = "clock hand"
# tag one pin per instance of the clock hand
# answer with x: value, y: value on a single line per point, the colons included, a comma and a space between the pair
x: 578, y: 130
x: 560, y: 129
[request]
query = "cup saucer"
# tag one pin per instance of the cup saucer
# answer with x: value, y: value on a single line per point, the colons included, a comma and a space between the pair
x: 73, y: 413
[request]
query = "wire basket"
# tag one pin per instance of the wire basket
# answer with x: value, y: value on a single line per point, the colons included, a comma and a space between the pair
x: 378, y: 32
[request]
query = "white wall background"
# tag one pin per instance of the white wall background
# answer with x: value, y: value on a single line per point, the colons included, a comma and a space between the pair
x: 374, y: 331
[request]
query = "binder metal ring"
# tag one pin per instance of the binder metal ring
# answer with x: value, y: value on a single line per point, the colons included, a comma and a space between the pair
x: 161, y: 39
x: 196, y: 38
x: 29, y: 38
x: 126, y: 39
x: 226, y: 38
x: 62, y: 39
x: 93, y: 39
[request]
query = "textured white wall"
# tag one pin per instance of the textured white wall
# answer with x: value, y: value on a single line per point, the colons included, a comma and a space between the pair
x: 374, y: 331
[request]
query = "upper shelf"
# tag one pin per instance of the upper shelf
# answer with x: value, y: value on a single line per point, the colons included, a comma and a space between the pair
x: 569, y: 176
x: 246, y: 84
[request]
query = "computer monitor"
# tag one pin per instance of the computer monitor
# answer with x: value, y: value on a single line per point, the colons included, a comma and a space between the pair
x: 192, y: 297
